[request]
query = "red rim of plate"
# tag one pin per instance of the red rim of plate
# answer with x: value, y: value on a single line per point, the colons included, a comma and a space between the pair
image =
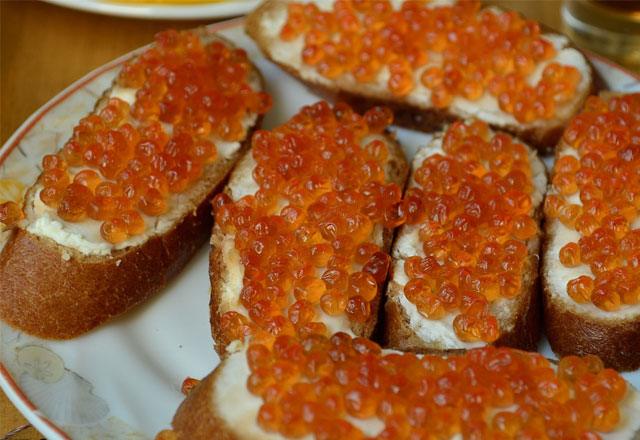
x: 18, y: 398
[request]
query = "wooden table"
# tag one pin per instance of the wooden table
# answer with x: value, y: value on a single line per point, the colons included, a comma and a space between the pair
x: 44, y: 48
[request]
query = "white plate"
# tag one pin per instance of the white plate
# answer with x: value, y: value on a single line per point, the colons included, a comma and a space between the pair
x: 142, y: 9
x: 124, y: 378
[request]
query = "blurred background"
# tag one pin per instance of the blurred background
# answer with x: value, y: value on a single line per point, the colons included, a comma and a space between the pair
x: 45, y: 46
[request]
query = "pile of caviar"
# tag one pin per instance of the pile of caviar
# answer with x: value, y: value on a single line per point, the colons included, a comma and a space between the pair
x: 454, y: 51
x: 123, y: 163
x: 597, y: 193
x: 473, y: 208
x: 319, y: 386
x: 305, y: 236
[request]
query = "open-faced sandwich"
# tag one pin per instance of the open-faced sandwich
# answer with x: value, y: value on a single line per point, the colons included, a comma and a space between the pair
x: 341, y: 387
x: 124, y: 204
x: 591, y: 268
x: 431, y: 62
x: 304, y: 227
x: 465, y: 265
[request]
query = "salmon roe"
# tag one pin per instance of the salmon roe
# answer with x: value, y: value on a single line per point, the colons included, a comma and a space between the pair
x: 596, y: 192
x: 473, y: 210
x: 305, y: 236
x: 316, y: 385
x: 123, y: 163
x: 10, y: 213
x: 452, y: 50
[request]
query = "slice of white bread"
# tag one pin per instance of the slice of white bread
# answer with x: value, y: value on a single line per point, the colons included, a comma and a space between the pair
x: 407, y: 329
x: 574, y: 328
x: 61, y: 279
x: 221, y: 408
x: 415, y: 110
x: 226, y: 271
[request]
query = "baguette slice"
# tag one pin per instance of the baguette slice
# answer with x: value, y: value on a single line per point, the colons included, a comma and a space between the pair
x: 407, y: 329
x: 226, y: 270
x: 415, y: 110
x: 221, y: 408
x: 60, y: 279
x: 575, y: 328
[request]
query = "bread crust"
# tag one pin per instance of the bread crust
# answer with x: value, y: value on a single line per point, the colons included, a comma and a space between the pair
x: 570, y: 333
x: 197, y: 416
x: 56, y: 292
x: 544, y: 137
x: 397, y: 171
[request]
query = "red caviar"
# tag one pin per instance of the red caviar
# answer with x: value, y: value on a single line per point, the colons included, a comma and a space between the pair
x: 305, y: 236
x: 454, y: 50
x: 10, y: 213
x: 318, y: 385
x: 188, y: 384
x: 122, y: 162
x: 598, y: 166
x: 472, y: 205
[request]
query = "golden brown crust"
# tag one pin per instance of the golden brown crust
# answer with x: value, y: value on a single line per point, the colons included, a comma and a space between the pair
x: 56, y: 292
x: 543, y: 138
x: 616, y: 343
x: 397, y: 170
x: 197, y: 417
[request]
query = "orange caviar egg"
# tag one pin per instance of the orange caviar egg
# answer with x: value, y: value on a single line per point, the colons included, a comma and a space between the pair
x: 570, y: 255
x: 51, y: 196
x: 367, y: 43
x: 122, y: 155
x: 114, y: 230
x: 478, y: 217
x: 133, y: 221
x: 606, y: 300
x: 580, y: 288
x: 10, y: 213
x: 596, y: 165
x: 188, y: 384
x: 74, y: 202
x: 88, y: 178
x: 326, y: 385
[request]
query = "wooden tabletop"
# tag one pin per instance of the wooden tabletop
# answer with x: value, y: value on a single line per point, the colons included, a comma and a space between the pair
x: 44, y: 48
